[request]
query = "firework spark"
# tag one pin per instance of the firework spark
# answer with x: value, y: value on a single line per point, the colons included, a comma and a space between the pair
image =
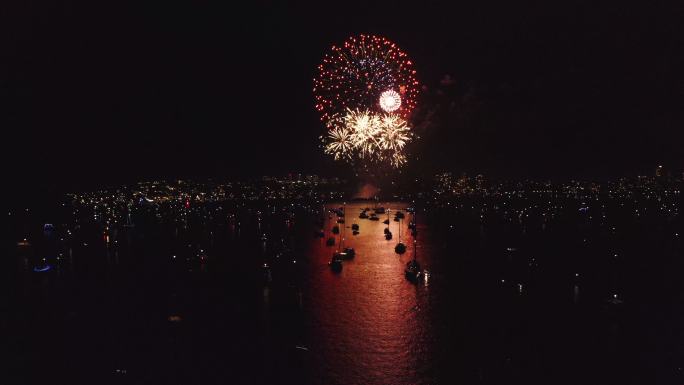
x: 365, y: 91
x: 365, y: 136
x: 397, y: 159
x: 339, y: 145
x: 356, y: 74
x: 365, y: 127
x: 390, y: 101
x: 394, y: 133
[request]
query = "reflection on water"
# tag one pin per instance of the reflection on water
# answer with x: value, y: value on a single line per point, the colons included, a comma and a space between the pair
x: 248, y: 297
x: 369, y: 324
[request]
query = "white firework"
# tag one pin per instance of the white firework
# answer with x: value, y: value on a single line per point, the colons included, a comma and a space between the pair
x: 397, y: 159
x: 394, y: 133
x: 364, y: 135
x: 339, y: 144
x: 390, y: 101
x: 365, y: 127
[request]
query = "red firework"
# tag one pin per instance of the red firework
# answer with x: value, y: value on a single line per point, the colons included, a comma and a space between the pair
x: 356, y: 74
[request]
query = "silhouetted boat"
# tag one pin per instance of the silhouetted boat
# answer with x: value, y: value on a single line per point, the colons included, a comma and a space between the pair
x: 374, y: 217
x: 330, y: 241
x: 363, y: 215
x: 349, y: 253
x: 386, y: 221
x: 336, y: 261
x: 388, y: 235
x: 400, y: 248
x: 267, y: 273
x: 336, y: 229
x: 413, y: 271
x: 355, y: 227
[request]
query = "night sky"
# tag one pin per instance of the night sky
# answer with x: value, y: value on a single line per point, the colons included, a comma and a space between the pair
x: 98, y: 94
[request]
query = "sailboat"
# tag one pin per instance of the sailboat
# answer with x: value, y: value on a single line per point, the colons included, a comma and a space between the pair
x: 336, y: 262
x: 388, y: 233
x: 347, y: 252
x: 400, y: 248
x: 338, y: 256
x: 413, y: 271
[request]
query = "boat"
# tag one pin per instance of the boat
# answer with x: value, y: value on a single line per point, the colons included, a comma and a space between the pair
x: 349, y: 252
x: 413, y: 224
x: 374, y: 217
x: 268, y: 277
x: 388, y: 235
x: 413, y: 271
x: 363, y: 215
x: 355, y: 232
x: 336, y: 262
x: 386, y: 221
x: 399, y: 215
x: 336, y: 229
x: 340, y: 220
x: 386, y: 230
x: 400, y: 248
x: 330, y: 241
x: 355, y: 227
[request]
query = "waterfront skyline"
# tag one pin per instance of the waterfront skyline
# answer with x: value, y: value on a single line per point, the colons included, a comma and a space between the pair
x: 202, y: 281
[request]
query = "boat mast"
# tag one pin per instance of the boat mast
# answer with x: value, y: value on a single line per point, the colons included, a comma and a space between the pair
x: 388, y: 221
x: 415, y: 241
x: 344, y: 223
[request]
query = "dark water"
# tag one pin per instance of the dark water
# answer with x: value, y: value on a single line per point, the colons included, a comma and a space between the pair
x: 501, y: 303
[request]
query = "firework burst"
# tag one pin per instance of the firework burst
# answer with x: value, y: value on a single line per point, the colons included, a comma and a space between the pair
x: 361, y: 135
x: 356, y: 75
x: 339, y: 143
x: 390, y: 101
x: 365, y: 127
x: 394, y: 133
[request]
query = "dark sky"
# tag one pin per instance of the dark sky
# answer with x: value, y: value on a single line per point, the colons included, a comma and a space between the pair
x: 94, y: 92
